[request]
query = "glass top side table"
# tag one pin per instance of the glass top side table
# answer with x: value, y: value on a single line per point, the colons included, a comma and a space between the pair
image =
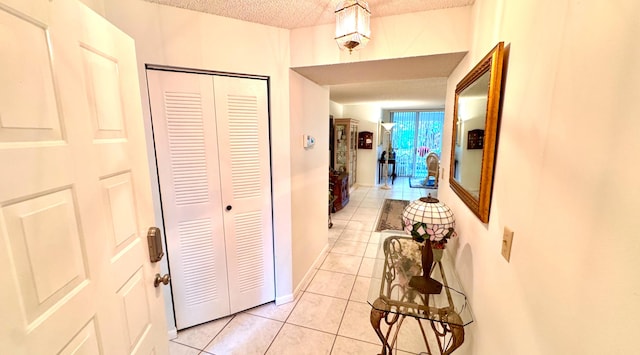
x: 392, y: 299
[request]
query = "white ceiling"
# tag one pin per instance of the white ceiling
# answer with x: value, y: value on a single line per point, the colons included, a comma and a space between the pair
x: 303, y: 13
x: 418, y: 82
x: 403, y: 83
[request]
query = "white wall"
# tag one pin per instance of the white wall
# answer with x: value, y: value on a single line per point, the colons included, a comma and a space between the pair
x: 470, y: 160
x: 335, y: 109
x: 95, y: 5
x: 417, y: 34
x: 171, y: 36
x: 565, y: 181
x: 309, y: 174
x: 368, y: 117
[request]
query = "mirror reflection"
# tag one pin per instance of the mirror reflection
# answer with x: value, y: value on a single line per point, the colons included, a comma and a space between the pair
x: 475, y: 128
x: 470, y: 125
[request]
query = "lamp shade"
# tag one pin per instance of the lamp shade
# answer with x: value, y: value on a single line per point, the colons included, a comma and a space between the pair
x: 428, y: 219
x: 388, y: 125
x: 352, y: 24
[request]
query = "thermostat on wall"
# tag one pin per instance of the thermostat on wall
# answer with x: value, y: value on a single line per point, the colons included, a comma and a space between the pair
x: 308, y: 141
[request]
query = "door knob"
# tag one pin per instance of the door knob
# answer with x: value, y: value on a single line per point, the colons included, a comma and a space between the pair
x: 161, y: 280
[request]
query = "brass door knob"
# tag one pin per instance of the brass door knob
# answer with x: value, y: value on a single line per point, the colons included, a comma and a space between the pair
x: 161, y: 279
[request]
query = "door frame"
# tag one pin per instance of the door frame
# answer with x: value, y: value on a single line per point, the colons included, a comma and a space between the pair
x: 155, y: 182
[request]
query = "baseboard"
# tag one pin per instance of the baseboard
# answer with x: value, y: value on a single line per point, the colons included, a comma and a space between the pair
x: 311, y: 272
x: 172, y: 333
x: 285, y: 299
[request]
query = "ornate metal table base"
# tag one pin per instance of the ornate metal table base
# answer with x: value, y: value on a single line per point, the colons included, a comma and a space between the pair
x: 440, y: 330
x: 392, y: 299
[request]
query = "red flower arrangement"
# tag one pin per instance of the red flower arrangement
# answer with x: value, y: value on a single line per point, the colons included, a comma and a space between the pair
x: 422, y: 151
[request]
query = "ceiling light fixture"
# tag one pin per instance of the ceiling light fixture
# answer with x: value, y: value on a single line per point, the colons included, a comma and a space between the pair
x: 352, y: 24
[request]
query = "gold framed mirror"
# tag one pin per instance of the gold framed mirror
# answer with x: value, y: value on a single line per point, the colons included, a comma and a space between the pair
x: 475, y: 127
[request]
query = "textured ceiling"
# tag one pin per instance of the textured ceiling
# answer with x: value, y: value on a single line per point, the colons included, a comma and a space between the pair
x: 303, y: 13
x: 407, y: 83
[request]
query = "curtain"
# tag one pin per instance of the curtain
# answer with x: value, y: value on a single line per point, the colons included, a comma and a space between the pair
x: 415, y: 134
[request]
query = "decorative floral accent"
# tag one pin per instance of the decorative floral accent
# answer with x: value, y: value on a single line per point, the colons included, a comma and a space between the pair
x: 437, y: 234
x: 406, y: 260
x: 422, y: 151
x: 438, y: 245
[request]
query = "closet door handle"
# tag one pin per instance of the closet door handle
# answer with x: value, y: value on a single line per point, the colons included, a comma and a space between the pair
x: 229, y: 207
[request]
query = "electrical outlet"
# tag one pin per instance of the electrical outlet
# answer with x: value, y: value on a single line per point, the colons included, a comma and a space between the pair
x: 507, y: 240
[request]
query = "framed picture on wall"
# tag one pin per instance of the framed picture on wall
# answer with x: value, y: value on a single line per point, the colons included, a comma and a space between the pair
x: 475, y: 139
x: 365, y: 140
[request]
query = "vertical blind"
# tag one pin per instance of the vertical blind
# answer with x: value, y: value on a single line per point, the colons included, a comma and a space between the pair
x: 415, y: 134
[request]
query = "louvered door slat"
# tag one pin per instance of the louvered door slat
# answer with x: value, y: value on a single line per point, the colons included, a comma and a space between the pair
x: 221, y: 261
x: 187, y: 151
x: 242, y: 103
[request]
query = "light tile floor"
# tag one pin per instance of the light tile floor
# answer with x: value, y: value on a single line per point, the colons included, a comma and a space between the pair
x: 331, y: 315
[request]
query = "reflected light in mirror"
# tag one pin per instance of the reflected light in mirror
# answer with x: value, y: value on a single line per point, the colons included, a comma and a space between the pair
x: 475, y: 122
x: 471, y: 108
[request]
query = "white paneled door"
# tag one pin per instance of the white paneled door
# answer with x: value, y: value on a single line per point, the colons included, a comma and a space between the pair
x: 212, y: 144
x: 75, y: 198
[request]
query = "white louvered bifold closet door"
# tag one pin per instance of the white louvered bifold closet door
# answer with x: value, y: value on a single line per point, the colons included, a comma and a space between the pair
x: 245, y: 177
x: 212, y: 151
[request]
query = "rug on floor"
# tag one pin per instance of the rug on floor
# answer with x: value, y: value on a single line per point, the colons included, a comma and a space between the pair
x: 420, y: 183
x: 391, y: 215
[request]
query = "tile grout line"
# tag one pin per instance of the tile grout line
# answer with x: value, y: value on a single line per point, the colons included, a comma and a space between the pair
x: 347, y: 303
x: 186, y: 345
x: 233, y: 316
x: 305, y: 327
x: 339, y: 298
x: 276, y: 336
x: 374, y: 200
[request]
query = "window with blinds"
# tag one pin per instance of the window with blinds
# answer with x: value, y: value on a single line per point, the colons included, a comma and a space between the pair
x: 415, y: 134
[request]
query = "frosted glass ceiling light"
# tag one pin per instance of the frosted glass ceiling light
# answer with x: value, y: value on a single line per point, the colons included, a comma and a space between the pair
x: 352, y: 24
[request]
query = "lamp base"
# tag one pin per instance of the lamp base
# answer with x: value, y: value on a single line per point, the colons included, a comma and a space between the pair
x: 425, y: 285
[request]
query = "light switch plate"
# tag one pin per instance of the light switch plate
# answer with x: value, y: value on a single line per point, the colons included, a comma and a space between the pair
x: 507, y: 240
